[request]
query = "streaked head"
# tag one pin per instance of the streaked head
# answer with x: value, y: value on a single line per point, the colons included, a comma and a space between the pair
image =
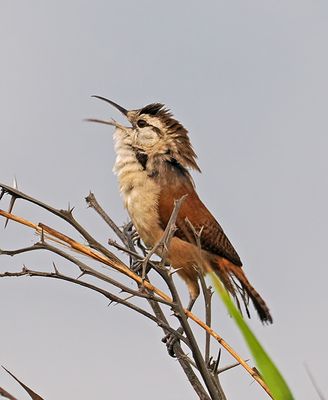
x: 155, y: 132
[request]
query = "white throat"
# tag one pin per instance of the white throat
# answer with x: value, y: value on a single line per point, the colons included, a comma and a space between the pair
x: 140, y: 193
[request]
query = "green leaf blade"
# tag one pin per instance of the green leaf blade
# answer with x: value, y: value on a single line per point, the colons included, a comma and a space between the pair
x: 269, y: 372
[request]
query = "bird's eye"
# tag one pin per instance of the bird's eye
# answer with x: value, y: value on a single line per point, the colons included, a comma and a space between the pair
x: 141, y: 123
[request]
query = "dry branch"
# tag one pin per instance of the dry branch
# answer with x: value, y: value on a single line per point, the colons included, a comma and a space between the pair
x: 156, y: 297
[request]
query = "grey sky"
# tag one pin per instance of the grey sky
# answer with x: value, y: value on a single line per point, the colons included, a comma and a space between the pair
x: 249, y: 81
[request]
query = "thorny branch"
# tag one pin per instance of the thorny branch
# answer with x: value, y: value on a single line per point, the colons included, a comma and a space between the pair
x: 197, y: 365
x: 66, y: 215
x: 93, y: 203
x: 84, y: 268
x: 207, y: 293
x: 185, y: 362
x: 110, y: 296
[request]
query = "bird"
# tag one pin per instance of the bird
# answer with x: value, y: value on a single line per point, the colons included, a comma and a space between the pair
x: 154, y: 159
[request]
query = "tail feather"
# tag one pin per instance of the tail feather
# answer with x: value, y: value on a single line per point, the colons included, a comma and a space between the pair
x: 227, y: 271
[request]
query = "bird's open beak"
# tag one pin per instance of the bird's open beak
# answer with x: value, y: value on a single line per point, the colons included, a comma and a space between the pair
x: 110, y: 122
x: 120, y: 108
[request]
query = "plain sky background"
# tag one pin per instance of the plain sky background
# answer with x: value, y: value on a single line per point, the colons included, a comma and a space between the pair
x: 249, y: 80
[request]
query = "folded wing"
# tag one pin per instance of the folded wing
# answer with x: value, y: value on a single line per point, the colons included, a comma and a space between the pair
x: 213, y: 238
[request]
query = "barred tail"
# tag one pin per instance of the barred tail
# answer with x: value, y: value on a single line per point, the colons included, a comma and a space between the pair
x: 227, y: 272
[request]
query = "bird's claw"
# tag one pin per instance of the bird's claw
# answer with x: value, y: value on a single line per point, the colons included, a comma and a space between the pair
x: 136, y: 266
x: 170, y: 340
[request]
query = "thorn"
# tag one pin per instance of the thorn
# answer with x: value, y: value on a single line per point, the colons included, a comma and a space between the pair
x: 217, y: 362
x: 257, y: 372
x: 81, y: 274
x: 55, y: 268
x: 15, y: 185
x: 228, y: 367
x: 70, y: 209
x: 129, y: 297
x: 11, y: 204
x: 210, y: 361
x: 173, y: 271
x: 42, y: 235
x: 110, y: 303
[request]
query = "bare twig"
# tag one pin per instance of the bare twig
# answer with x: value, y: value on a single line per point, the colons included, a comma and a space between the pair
x: 179, y: 312
x: 93, y: 203
x: 84, y: 268
x: 207, y: 292
x: 63, y: 214
x: 181, y: 357
x: 117, y: 264
x: 110, y: 296
x: 227, y: 368
x: 125, y: 249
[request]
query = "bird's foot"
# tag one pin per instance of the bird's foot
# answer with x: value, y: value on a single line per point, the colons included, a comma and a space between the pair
x: 170, y: 340
x: 213, y: 363
x: 130, y: 231
x: 140, y: 268
x: 136, y: 266
x: 140, y: 245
